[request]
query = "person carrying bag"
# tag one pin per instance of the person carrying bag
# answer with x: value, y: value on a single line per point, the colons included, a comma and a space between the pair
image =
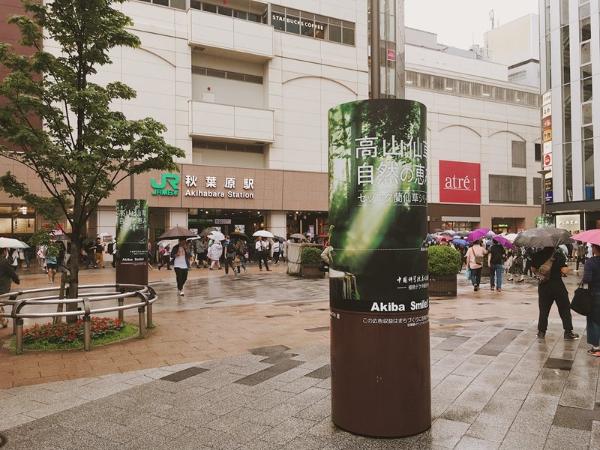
x: 591, y: 277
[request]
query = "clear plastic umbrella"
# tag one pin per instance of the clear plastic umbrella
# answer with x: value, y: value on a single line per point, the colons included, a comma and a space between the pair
x: 12, y: 243
x: 263, y: 233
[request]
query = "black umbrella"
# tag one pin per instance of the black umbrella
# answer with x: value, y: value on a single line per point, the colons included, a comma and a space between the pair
x: 208, y: 230
x: 240, y: 235
x: 543, y: 237
x: 176, y: 233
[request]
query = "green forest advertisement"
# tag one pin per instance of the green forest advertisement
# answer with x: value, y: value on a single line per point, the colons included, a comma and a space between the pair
x: 378, y: 206
x: 132, y: 231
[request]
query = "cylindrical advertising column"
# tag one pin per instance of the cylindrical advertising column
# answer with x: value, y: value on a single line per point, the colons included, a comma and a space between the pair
x: 132, y: 242
x: 380, y: 364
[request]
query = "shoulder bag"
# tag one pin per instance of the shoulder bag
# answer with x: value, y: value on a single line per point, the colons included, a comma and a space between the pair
x: 582, y: 301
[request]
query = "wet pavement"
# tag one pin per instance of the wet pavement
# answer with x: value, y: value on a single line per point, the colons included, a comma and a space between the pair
x: 244, y: 364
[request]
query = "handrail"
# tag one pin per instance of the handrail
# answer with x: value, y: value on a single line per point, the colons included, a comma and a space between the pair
x: 145, y: 296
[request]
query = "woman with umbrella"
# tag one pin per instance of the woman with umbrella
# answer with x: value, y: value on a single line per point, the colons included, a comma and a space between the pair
x: 550, y: 264
x: 215, y: 251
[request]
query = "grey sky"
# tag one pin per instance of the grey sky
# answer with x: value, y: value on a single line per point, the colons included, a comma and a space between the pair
x: 460, y: 23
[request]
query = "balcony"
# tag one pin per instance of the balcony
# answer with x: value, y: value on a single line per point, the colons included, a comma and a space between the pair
x: 231, y: 122
x: 230, y: 34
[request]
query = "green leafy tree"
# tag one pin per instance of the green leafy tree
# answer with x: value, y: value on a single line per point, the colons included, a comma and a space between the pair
x: 84, y: 148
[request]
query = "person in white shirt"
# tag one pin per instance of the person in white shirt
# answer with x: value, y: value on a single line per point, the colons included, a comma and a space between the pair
x: 262, y: 250
x: 276, y: 249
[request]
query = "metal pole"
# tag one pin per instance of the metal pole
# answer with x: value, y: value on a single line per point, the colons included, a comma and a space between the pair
x: 400, y: 51
x: 375, y: 51
x: 121, y: 312
x: 87, y: 333
x: 149, y: 323
x: 19, y: 338
x: 142, y: 323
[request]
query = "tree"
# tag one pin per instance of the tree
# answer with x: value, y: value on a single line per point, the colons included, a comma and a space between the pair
x: 84, y: 148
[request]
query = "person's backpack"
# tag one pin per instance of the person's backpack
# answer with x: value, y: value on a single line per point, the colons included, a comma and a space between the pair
x: 110, y: 248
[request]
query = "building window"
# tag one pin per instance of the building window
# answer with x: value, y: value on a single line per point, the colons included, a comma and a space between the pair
x: 519, y: 154
x: 537, y: 191
x: 250, y: 14
x: 588, y: 168
x: 178, y: 4
x: 538, y: 152
x: 508, y: 189
x: 310, y: 25
x: 207, y: 71
x: 568, y: 159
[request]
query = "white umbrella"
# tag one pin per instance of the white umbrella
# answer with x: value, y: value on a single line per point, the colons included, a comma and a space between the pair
x: 264, y: 234
x: 511, y: 237
x: 12, y: 243
x: 216, y: 236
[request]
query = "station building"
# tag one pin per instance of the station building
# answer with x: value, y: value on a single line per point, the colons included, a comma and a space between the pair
x: 244, y: 88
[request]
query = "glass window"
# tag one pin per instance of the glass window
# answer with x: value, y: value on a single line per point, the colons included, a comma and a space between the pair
x: 586, y: 110
x: 292, y: 21
x: 587, y: 132
x: 486, y: 90
x: 235, y: 76
x: 335, y: 32
x: 320, y: 27
x: 566, y: 91
x: 254, y: 17
x: 179, y: 4
x: 588, y: 154
x: 476, y: 90
x: 411, y: 78
x: 585, y: 28
x: 215, y: 73
x: 464, y: 88
x: 308, y: 24
x: 566, y: 54
x: 278, y: 18
x: 209, y: 8
x: 449, y: 85
x: 348, y: 36
x: 538, y: 152
x: 161, y: 2
x: 500, y: 94
x: 240, y: 14
x: 586, y: 90
x: 195, y: 4
x: 564, y: 12
x: 225, y: 11
x: 438, y: 83
x: 519, y: 154
x: 585, y: 53
x: 584, y: 11
x: 586, y: 71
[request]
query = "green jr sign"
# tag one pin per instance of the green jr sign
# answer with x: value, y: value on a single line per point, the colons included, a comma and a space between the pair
x: 168, y: 186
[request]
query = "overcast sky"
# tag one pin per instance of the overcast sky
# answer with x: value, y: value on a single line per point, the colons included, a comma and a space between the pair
x: 460, y: 23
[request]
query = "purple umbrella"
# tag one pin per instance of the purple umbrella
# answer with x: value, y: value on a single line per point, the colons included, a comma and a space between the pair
x: 503, y: 241
x: 477, y: 234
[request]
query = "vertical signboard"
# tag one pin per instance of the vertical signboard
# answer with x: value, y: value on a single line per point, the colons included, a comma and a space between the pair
x: 132, y: 241
x: 378, y: 277
x: 547, y: 145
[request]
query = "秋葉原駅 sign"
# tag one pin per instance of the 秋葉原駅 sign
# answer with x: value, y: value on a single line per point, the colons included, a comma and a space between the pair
x: 460, y: 182
x: 215, y: 187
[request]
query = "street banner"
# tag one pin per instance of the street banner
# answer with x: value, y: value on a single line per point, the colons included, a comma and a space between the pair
x: 132, y: 231
x: 378, y: 206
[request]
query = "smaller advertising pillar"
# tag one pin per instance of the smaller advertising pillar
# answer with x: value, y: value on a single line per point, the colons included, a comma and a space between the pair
x: 378, y: 278
x: 132, y: 242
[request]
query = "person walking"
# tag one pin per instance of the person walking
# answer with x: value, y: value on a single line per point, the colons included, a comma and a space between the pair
x: 581, y: 250
x: 475, y: 256
x: 591, y: 277
x: 262, y: 250
x: 276, y: 248
x: 230, y: 254
x: 165, y: 257
x: 181, y: 263
x: 52, y: 262
x: 7, y: 275
x: 215, y: 251
x: 99, y: 250
x: 241, y: 254
x: 550, y: 264
x: 496, y: 263
x: 516, y: 268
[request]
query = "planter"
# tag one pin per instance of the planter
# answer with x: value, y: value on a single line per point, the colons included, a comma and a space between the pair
x: 443, y: 285
x: 312, y: 272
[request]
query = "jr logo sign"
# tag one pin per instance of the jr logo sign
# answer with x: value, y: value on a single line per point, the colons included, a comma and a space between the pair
x: 168, y: 186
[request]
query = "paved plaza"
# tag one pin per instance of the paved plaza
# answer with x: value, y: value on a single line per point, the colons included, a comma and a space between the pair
x: 244, y: 364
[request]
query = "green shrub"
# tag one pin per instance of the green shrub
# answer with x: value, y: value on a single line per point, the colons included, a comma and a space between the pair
x: 311, y: 256
x: 444, y: 260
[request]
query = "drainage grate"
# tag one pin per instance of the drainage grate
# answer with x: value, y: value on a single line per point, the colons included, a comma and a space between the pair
x: 3, y: 440
x: 176, y: 377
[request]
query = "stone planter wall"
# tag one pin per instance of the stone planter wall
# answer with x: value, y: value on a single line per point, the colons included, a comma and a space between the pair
x: 442, y: 285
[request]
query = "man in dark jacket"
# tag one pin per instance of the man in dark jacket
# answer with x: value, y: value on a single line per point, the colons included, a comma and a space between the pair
x: 7, y: 275
x: 496, y: 264
x: 553, y: 290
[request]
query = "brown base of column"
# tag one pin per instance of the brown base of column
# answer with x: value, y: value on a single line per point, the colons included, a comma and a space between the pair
x: 132, y: 273
x: 380, y: 373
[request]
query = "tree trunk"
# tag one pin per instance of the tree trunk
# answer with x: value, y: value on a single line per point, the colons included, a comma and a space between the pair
x: 73, y: 289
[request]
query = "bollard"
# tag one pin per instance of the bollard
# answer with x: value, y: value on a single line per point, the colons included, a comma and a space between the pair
x: 87, y: 333
x: 19, y: 338
x: 149, y: 323
x: 142, y: 316
x: 121, y: 312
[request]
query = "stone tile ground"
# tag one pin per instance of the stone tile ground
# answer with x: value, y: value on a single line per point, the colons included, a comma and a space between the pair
x: 251, y: 372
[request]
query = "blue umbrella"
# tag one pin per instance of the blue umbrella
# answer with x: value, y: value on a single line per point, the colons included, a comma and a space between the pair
x: 460, y: 242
